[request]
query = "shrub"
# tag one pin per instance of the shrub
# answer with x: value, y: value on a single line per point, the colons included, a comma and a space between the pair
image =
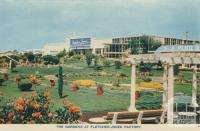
x: 118, y: 64
x: 1, y: 81
x: 147, y: 79
x: 106, y: 63
x: 48, y: 59
x: 24, y: 86
x: 86, y: 83
x: 67, y: 115
x: 27, y: 111
x: 89, y: 56
x: 35, y: 110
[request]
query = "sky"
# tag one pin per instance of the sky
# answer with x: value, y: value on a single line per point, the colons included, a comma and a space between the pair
x: 30, y: 24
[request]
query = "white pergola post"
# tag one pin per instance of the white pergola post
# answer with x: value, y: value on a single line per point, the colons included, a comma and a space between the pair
x: 194, y: 87
x: 133, y: 87
x: 165, y: 84
x: 170, y: 95
x: 10, y: 64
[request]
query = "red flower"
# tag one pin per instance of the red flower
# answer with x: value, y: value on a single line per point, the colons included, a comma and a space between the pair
x: 99, y: 91
x: 46, y: 105
x: 33, y: 81
x: 10, y: 115
x: 50, y: 114
x: 31, y: 122
x: 64, y: 101
x: 137, y: 95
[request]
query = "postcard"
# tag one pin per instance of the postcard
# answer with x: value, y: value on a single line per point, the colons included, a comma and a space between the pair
x: 99, y: 64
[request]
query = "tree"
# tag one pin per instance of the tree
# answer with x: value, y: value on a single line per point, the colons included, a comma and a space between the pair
x: 29, y: 56
x: 89, y: 56
x: 61, y: 54
x: 145, y: 67
x: 60, y: 82
x: 48, y: 59
x: 143, y: 45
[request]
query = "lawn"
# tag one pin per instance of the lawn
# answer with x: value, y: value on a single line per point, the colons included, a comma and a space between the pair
x: 87, y: 98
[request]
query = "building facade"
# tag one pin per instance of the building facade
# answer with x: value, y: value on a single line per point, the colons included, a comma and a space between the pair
x: 54, y: 48
x: 80, y: 46
x: 120, y: 46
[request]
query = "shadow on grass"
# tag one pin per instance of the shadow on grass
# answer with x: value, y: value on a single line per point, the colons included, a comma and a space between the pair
x: 64, y: 96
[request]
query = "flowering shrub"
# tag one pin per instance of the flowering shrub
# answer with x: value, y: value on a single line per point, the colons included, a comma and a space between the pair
x: 154, y: 85
x: 52, y: 83
x: 100, y: 90
x: 68, y: 115
x: 27, y: 111
x: 75, y: 87
x: 86, y: 83
x: 36, y: 110
x: 33, y: 79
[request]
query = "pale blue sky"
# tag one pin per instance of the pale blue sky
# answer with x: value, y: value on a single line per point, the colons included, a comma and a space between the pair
x: 27, y: 24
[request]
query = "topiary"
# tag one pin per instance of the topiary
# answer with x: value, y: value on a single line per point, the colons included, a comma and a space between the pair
x: 24, y: 86
x: 60, y: 82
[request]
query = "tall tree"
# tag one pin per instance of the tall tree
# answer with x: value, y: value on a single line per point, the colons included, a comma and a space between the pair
x: 89, y: 56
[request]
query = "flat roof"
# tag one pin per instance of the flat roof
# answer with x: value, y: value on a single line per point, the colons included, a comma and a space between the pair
x: 178, y: 48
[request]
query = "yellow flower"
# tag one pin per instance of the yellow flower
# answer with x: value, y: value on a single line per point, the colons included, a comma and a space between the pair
x: 20, y: 101
x: 86, y: 83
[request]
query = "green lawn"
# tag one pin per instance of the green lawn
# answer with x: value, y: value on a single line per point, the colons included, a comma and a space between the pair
x: 87, y: 98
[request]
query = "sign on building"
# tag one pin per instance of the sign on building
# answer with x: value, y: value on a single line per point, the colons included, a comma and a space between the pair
x: 81, y: 43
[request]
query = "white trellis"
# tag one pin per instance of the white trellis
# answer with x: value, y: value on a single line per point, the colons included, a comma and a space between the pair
x: 168, y: 60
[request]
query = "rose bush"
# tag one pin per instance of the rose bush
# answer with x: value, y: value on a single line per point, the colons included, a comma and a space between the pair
x: 36, y: 110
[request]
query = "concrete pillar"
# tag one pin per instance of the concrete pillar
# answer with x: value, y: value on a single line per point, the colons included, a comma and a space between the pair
x: 165, y: 84
x: 170, y: 95
x: 194, y: 87
x: 133, y: 87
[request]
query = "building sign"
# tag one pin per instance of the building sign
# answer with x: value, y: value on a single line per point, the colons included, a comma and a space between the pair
x: 81, y: 43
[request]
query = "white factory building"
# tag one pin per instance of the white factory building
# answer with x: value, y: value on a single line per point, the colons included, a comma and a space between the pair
x: 76, y: 45
x: 54, y: 48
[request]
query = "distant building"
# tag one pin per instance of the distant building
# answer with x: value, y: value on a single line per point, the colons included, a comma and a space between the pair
x: 120, y: 46
x: 54, y: 48
x: 81, y: 45
x: 34, y: 51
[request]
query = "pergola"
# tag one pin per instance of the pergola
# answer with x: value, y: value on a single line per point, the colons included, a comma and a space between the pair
x: 168, y: 60
x: 8, y: 54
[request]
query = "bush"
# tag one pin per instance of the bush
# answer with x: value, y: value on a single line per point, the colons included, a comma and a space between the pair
x: 27, y: 111
x: 67, y: 115
x: 35, y: 110
x: 24, y: 86
x: 147, y: 79
x: 107, y: 63
x: 1, y: 81
x: 48, y: 59
x: 86, y: 83
x: 118, y: 65
x: 89, y: 56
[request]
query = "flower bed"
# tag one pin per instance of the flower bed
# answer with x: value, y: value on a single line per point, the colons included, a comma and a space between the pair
x: 86, y: 83
x: 35, y: 110
x: 154, y: 85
